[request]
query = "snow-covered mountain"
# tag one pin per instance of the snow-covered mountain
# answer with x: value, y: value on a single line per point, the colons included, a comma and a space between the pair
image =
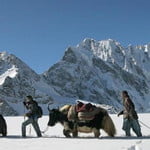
x: 98, y: 71
x: 95, y: 71
x: 17, y: 80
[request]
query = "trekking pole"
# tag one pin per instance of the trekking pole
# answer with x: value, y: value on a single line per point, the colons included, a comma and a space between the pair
x: 30, y: 130
x: 144, y: 124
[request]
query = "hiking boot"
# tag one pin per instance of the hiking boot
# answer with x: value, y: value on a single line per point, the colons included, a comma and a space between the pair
x: 23, y: 136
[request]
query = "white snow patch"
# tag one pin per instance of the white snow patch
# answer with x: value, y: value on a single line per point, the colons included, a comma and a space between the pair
x: 11, y: 72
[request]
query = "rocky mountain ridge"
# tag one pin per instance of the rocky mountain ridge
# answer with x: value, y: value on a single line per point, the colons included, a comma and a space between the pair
x: 95, y: 71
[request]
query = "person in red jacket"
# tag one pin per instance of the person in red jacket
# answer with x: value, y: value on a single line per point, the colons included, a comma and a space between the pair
x: 130, y: 117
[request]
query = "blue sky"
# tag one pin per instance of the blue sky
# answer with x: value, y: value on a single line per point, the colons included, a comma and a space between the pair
x: 39, y: 31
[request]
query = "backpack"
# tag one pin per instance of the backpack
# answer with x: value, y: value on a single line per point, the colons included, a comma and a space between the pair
x: 39, y: 112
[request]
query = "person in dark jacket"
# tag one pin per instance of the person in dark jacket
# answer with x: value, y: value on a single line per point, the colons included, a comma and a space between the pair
x: 32, y: 115
x: 130, y: 117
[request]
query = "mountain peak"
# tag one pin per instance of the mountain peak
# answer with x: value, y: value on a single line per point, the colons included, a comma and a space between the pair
x: 91, y: 44
x: 7, y: 68
x: 3, y: 55
x: 110, y: 43
x: 107, y: 50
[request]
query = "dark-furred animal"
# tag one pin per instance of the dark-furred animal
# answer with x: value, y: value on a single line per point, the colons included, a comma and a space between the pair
x: 3, y: 126
x: 101, y: 120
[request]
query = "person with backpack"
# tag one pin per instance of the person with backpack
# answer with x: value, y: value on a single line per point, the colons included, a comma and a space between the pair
x: 130, y: 117
x: 34, y: 112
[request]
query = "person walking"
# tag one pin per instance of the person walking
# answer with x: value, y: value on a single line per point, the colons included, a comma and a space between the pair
x: 130, y: 117
x: 32, y: 114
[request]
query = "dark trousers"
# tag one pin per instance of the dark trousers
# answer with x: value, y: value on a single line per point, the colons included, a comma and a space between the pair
x: 35, y: 125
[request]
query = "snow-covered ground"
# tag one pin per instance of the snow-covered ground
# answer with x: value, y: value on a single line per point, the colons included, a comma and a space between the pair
x: 54, y: 139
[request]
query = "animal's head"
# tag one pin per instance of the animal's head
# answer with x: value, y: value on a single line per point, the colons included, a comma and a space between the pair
x: 54, y: 115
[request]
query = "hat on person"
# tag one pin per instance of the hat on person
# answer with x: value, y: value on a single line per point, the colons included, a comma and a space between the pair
x: 29, y: 98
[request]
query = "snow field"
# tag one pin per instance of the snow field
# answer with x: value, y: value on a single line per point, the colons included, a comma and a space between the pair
x: 54, y: 139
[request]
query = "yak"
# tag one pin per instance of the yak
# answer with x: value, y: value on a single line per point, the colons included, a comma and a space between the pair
x: 3, y: 126
x: 101, y: 120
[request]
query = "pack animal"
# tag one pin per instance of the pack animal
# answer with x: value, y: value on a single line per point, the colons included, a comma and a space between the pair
x: 101, y: 120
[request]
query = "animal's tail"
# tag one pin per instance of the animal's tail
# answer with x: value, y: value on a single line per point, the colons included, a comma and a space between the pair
x: 108, y: 125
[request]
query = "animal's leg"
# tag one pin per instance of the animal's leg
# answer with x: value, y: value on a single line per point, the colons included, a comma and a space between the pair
x: 96, y: 132
x: 4, y: 129
x: 66, y: 133
x: 4, y: 132
x: 66, y: 130
x: 75, y: 133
